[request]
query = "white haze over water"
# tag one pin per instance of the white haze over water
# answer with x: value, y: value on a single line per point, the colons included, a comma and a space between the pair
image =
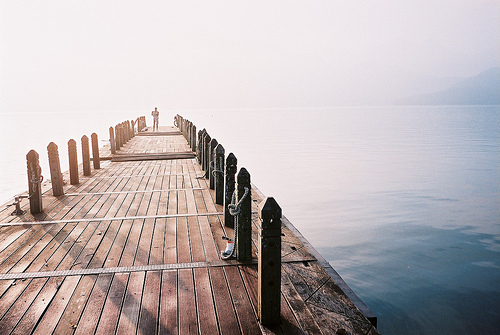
x: 129, y: 55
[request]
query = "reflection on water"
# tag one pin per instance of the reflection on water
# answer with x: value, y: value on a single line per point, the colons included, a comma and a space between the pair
x: 402, y: 201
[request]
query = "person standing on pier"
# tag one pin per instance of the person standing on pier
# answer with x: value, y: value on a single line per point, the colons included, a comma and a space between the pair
x: 156, y: 116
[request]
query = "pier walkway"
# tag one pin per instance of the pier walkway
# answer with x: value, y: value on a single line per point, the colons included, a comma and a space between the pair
x: 135, y: 248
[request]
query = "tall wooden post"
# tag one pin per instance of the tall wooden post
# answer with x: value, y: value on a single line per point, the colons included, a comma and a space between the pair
x: 117, y: 138
x: 55, y: 170
x: 211, y: 163
x: 73, y: 163
x: 199, y: 148
x: 244, y: 248
x: 112, y: 142
x: 129, y: 131
x: 193, y: 138
x: 231, y: 168
x: 34, y: 182
x: 86, y: 155
x: 188, y: 132
x: 95, y: 151
x: 219, y: 174
x: 206, y: 154
x: 269, y: 268
x: 132, y: 125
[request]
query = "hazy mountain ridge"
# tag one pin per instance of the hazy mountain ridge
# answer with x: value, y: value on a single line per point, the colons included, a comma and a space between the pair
x: 482, y: 89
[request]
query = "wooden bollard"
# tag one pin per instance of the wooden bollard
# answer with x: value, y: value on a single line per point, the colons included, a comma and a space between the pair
x: 73, y: 163
x: 211, y: 163
x: 219, y: 174
x: 55, y: 170
x: 117, y: 138
x: 34, y: 182
x: 206, y: 153
x: 95, y: 151
x: 231, y: 168
x: 112, y: 141
x: 86, y: 155
x: 129, y: 130
x: 188, y: 132
x: 199, y: 147
x: 124, y: 132
x: 132, y: 125
x: 193, y: 138
x: 244, y: 247
x: 269, y: 268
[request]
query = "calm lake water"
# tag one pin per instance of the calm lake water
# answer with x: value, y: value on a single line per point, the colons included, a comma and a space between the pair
x: 404, y: 202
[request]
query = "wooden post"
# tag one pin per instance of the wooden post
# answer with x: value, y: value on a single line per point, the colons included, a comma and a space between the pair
x: 193, y: 138
x: 219, y: 174
x: 112, y: 142
x: 269, y: 268
x: 129, y: 130
x: 117, y: 138
x: 189, y: 132
x: 55, y: 170
x: 244, y: 247
x: 132, y: 125
x: 95, y: 151
x: 206, y: 153
x: 73, y: 163
x: 34, y: 182
x: 231, y: 168
x: 86, y: 155
x: 211, y: 163
x: 199, y: 150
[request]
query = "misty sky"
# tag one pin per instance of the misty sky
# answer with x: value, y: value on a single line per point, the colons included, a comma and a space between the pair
x: 129, y: 55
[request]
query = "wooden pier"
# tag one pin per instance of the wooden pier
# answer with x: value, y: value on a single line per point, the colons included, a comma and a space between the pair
x: 133, y: 245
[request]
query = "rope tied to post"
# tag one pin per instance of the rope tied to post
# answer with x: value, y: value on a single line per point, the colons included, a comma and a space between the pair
x: 234, y: 209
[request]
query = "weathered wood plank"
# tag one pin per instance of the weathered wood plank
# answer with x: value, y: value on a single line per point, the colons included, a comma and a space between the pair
x: 38, y: 307
x: 129, y: 316
x: 92, y: 312
x: 205, y: 304
x: 168, y: 303
x: 112, y: 307
x: 49, y: 321
x: 148, y: 321
x: 228, y: 323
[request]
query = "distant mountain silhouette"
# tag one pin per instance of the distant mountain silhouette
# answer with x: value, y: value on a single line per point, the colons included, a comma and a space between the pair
x: 483, y: 89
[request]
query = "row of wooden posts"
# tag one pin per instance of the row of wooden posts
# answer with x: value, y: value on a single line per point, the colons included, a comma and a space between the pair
x: 234, y: 193
x: 119, y: 135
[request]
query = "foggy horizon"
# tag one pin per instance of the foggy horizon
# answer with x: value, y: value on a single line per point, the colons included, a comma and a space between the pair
x: 93, y: 55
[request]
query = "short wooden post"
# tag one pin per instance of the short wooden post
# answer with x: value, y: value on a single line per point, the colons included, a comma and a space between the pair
x: 34, y: 182
x: 244, y: 247
x: 269, y: 266
x: 112, y: 142
x: 199, y: 147
x: 117, y: 138
x: 86, y: 155
x: 73, y: 163
x: 124, y: 132
x: 129, y: 130
x: 211, y: 163
x: 132, y: 125
x: 193, y: 138
x: 95, y: 151
x: 231, y: 168
x: 55, y: 170
x: 206, y: 153
x: 219, y: 174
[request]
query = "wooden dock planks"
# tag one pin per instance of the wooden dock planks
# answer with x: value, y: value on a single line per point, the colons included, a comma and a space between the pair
x: 209, y: 299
